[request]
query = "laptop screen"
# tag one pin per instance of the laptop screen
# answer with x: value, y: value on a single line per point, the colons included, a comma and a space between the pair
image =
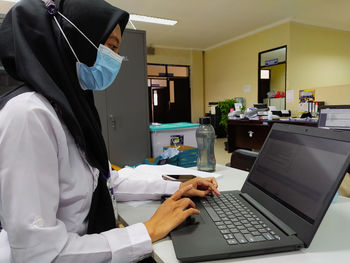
x: 286, y: 158
x: 335, y: 117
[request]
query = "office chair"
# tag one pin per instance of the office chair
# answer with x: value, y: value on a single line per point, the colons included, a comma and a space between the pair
x: 243, y: 159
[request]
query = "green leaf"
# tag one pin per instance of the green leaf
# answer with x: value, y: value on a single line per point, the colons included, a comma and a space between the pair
x: 225, y: 107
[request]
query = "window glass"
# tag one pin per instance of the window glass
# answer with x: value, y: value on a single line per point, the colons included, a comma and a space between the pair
x: 158, y: 83
x: 265, y: 74
x: 177, y: 71
x: 273, y: 57
x: 156, y: 70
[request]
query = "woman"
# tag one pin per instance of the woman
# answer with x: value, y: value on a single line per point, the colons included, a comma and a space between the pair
x: 55, y: 205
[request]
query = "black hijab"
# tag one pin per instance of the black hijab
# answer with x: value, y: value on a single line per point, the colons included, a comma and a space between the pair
x: 33, y: 50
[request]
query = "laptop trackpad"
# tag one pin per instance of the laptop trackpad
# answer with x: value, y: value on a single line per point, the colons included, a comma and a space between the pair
x: 191, y: 222
x: 192, y: 236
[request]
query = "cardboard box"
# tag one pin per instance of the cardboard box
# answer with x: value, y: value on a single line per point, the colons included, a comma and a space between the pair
x: 187, y: 156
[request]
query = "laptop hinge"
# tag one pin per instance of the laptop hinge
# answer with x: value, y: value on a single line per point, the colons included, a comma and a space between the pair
x: 286, y: 229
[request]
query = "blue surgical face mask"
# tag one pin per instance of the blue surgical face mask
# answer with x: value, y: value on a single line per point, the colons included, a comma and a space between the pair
x: 102, y: 74
x: 106, y: 68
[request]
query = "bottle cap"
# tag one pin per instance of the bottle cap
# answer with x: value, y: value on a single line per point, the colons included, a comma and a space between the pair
x: 204, y: 120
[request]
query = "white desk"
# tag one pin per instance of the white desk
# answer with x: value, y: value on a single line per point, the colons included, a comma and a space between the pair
x: 331, y: 242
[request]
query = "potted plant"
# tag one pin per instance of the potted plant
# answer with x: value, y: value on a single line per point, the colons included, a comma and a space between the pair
x: 242, y: 112
x: 225, y: 107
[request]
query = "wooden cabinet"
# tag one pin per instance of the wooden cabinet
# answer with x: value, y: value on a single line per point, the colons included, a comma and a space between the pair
x: 123, y: 107
x: 251, y: 134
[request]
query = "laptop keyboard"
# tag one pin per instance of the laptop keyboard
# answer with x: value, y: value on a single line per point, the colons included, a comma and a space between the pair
x: 236, y: 222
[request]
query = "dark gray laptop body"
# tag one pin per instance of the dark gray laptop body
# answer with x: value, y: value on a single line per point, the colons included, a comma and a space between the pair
x: 289, y: 188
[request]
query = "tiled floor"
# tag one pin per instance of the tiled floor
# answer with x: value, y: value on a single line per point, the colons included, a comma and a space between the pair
x: 221, y: 156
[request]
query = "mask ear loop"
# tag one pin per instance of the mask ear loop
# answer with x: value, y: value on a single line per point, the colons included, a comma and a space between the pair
x: 64, y: 35
x: 52, y: 10
x: 70, y: 22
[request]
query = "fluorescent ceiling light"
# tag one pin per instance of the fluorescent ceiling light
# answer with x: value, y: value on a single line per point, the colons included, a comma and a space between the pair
x: 155, y: 20
x: 11, y: 0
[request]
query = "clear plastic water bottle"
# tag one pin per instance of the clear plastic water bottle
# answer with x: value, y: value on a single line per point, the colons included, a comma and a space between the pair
x: 205, y: 136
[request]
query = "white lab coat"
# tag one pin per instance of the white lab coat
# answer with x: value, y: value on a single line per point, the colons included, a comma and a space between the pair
x: 46, y: 188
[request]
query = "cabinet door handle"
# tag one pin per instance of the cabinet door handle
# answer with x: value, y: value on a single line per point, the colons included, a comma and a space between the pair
x: 113, y: 122
x: 250, y: 133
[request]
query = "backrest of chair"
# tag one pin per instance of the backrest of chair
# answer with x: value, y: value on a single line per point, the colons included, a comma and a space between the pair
x: 243, y: 159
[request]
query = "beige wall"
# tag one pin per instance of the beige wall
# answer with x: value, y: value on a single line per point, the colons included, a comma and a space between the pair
x: 334, y: 95
x: 191, y: 58
x: 319, y: 59
x: 278, y: 77
x: 232, y: 70
x: 170, y: 56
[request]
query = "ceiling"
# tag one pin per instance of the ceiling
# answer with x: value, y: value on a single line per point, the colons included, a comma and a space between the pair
x: 205, y: 24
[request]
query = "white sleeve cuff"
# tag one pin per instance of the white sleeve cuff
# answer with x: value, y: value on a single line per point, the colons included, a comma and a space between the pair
x: 140, y: 240
x: 129, y: 244
x: 171, y: 187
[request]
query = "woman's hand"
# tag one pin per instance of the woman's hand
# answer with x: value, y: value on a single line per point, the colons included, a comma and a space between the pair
x: 171, y: 214
x: 202, y: 187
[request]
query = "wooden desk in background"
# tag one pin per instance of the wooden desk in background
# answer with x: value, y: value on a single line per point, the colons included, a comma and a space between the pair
x: 251, y: 134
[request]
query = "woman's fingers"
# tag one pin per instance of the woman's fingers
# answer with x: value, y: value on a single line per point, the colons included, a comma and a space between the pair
x: 201, y: 187
x: 188, y: 208
x: 176, y: 209
x: 185, y: 203
x: 179, y: 193
x: 214, y: 182
x: 200, y: 193
x: 206, y: 184
x: 172, y: 213
x: 191, y: 211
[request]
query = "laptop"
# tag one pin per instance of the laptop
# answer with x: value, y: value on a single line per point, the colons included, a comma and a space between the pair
x: 334, y: 117
x: 281, y: 204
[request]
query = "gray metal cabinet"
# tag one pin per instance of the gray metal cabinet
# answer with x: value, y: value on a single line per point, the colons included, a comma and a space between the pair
x: 123, y: 107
